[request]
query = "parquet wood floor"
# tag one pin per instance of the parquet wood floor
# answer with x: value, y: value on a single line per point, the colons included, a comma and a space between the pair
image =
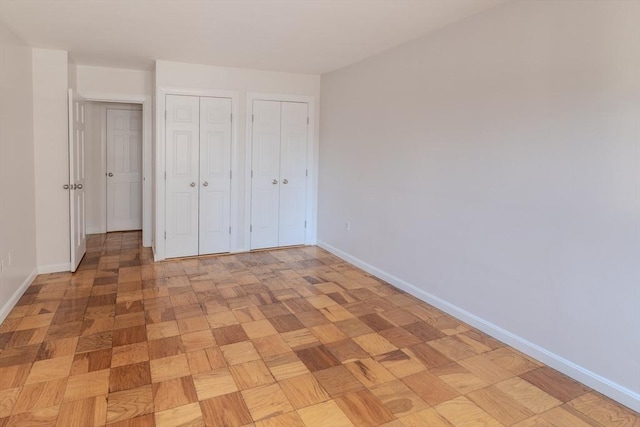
x: 280, y: 338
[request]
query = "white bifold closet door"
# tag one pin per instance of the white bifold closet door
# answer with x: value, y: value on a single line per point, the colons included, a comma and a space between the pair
x: 279, y: 173
x: 198, y: 181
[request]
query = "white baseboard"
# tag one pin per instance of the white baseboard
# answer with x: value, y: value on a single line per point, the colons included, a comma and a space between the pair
x: 605, y: 386
x: 6, y: 309
x: 54, y: 268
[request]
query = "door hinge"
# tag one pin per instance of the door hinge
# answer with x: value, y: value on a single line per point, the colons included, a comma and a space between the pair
x: 306, y: 172
x: 307, y: 120
x: 230, y: 174
x: 251, y: 174
x: 252, y: 118
x: 229, y: 229
x: 251, y: 229
x: 165, y: 175
x: 305, y: 224
x: 165, y: 235
x: 231, y: 118
x: 165, y: 115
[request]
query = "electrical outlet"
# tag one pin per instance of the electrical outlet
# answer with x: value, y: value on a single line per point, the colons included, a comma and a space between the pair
x: 347, y: 225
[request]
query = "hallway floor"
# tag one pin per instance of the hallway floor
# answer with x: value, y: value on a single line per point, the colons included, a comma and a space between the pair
x: 287, y: 337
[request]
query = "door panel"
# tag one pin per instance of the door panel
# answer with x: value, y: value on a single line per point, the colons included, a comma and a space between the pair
x: 265, y: 182
x: 77, y: 227
x: 124, y: 170
x: 182, y: 164
x: 215, y: 179
x: 293, y: 170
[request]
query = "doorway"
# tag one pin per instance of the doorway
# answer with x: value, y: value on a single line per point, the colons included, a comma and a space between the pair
x: 114, y: 167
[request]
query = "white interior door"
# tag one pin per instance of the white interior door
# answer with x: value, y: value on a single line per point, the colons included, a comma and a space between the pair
x: 265, y: 171
x: 124, y: 170
x: 77, y: 218
x: 182, y: 164
x: 215, y: 175
x: 293, y: 174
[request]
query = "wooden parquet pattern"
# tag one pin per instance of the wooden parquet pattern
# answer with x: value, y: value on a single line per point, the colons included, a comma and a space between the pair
x: 281, y: 338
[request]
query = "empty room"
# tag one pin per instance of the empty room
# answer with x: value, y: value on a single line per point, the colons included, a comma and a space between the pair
x: 320, y: 213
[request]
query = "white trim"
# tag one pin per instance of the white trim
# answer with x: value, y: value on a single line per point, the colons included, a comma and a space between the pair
x: 6, y: 309
x: 145, y: 101
x: 54, y: 268
x: 312, y: 163
x: 161, y: 93
x: 605, y: 386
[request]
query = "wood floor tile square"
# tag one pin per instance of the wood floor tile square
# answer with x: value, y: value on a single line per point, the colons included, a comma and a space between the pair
x: 338, y: 380
x: 187, y: 415
x: 428, y: 417
x: 286, y: 323
x: 290, y: 419
x: 240, y: 352
x: 169, y: 367
x: 300, y: 339
x: 91, y: 411
x: 128, y: 354
x: 221, y: 319
x: 554, y: 383
x: 14, y: 376
x: 259, y: 329
x: 399, y: 399
x: 8, y: 399
x: 430, y: 388
x: 141, y: 421
x: 214, y: 383
x: 198, y: 340
x: 173, y: 393
x: 50, y: 369
x: 328, y: 333
x: 458, y: 377
x: 428, y: 356
x: 165, y: 347
x: 317, y: 358
x: 453, y: 348
x: 271, y: 346
x: 230, y: 335
x: 129, y: 404
x: 461, y: 411
x: 364, y: 409
x: 374, y: 344
x: 346, y: 351
x: 162, y: 330
x: 130, y: 335
x: 226, y: 410
x: 40, y: 395
x: 528, y: 395
x: 266, y: 401
x: 312, y: 318
x: 499, y: 405
x: 57, y: 348
x: 205, y: 360
x: 326, y: 413
x: 129, y: 320
x: 287, y: 365
x: 129, y: 376
x: 336, y: 313
x: 605, y: 411
x: 376, y: 322
x: 303, y: 390
x: 511, y: 361
x: 192, y: 324
x: 484, y: 368
x: 400, y: 337
x: 251, y: 374
x: 369, y: 372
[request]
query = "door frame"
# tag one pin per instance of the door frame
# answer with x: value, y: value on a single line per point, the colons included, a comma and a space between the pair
x: 159, y: 248
x: 312, y: 160
x: 147, y: 178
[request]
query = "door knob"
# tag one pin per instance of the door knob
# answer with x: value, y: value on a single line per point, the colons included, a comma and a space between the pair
x: 286, y: 181
x: 193, y: 184
x: 275, y: 181
x: 205, y: 184
x: 66, y: 186
x: 110, y: 174
x: 77, y: 186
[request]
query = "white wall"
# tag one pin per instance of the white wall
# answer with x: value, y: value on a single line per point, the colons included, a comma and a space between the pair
x: 493, y: 168
x: 95, y: 162
x: 51, y: 148
x: 181, y: 76
x: 17, y: 189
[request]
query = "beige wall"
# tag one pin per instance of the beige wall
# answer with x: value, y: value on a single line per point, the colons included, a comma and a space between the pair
x: 51, y: 145
x: 492, y: 168
x: 17, y: 189
x: 105, y: 80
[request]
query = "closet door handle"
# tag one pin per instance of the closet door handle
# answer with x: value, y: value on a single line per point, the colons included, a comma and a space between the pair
x: 193, y: 184
x: 286, y: 181
x: 110, y: 174
x: 274, y: 182
x: 205, y: 184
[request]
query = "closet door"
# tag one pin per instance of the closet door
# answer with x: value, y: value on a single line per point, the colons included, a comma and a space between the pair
x: 293, y: 173
x: 182, y: 164
x: 215, y: 178
x: 265, y: 164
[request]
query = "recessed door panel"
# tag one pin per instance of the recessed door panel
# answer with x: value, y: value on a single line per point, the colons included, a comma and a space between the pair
x: 293, y: 171
x: 265, y: 181
x: 124, y: 170
x: 77, y: 230
x: 215, y: 175
x: 182, y: 180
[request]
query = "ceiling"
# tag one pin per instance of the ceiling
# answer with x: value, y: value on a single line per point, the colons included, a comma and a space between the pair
x: 304, y: 36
